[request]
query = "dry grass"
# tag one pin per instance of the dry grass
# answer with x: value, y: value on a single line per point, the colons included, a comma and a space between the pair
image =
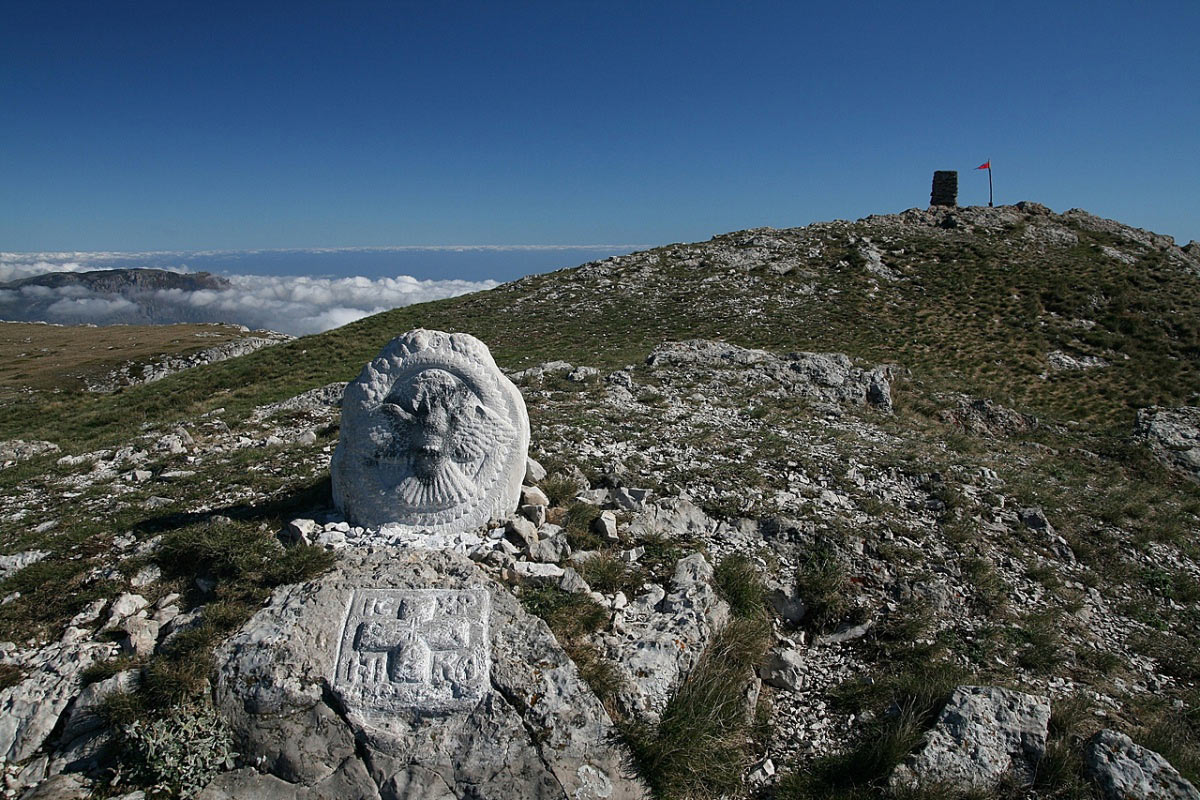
x: 52, y: 357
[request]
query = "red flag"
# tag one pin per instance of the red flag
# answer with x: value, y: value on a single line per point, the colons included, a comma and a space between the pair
x: 985, y: 165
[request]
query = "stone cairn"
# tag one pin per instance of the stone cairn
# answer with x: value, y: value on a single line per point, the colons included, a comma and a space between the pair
x: 945, y: 188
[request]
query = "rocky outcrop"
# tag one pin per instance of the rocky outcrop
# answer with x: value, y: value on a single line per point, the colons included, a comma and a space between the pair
x: 319, y: 399
x: 659, y: 636
x: 1173, y: 436
x: 30, y: 710
x: 985, y: 418
x: 824, y: 376
x: 983, y: 734
x: 326, y: 702
x: 14, y: 451
x: 134, y: 374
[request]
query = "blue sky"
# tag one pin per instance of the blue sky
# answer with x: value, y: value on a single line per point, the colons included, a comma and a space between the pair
x: 171, y: 125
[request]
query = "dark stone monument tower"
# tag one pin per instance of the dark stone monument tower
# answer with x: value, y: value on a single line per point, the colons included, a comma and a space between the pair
x: 945, y: 188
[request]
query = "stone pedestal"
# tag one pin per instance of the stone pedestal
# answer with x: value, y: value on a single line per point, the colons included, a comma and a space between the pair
x: 945, y: 188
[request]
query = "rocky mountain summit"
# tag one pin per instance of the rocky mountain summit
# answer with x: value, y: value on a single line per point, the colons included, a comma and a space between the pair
x: 901, y: 507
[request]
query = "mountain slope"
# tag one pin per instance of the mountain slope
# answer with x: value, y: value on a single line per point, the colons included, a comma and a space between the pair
x: 972, y: 300
x: 960, y: 499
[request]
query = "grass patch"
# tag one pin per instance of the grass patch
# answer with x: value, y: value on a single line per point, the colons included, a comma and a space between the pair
x: 822, y: 583
x: 738, y: 582
x: 704, y: 740
x: 606, y: 573
x: 572, y: 617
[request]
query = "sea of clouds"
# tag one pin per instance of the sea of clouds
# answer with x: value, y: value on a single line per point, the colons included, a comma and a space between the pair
x: 292, y: 304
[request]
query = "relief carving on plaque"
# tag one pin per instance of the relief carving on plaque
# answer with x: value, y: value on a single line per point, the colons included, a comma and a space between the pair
x: 423, y: 649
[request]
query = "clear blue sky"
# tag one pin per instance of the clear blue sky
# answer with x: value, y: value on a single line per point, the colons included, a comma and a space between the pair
x: 171, y: 125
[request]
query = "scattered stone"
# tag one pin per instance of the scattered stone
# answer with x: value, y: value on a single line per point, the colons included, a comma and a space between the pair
x: 533, y: 496
x: 13, y: 451
x: 1127, y: 771
x: 550, y: 550
x: 141, y: 636
x: 521, y: 532
x: 539, y: 574
x: 535, y: 514
x: 151, y: 573
x: 535, y: 473
x: 784, y: 669
x: 124, y: 606
x: 605, y: 526
x: 300, y: 531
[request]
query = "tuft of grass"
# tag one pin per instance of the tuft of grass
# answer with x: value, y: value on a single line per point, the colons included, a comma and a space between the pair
x: 822, y: 583
x: 577, y: 524
x: 572, y: 618
x: 560, y: 489
x: 1040, y: 641
x: 738, y: 582
x: 606, y: 573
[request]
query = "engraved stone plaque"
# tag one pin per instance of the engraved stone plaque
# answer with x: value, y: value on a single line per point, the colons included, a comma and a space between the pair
x: 421, y: 649
x: 433, y: 437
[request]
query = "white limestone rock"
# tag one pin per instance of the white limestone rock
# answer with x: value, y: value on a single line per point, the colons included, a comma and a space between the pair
x: 15, y: 450
x: 1173, y: 436
x: 663, y: 635
x: 30, y: 710
x: 1127, y: 771
x: 981, y: 735
x: 433, y: 437
x: 11, y: 564
x: 410, y: 673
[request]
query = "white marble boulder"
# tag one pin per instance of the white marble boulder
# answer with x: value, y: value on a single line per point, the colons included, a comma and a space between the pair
x: 433, y: 437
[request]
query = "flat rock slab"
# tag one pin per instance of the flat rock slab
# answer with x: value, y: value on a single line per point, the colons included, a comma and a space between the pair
x: 983, y: 734
x: 433, y: 437
x: 410, y: 673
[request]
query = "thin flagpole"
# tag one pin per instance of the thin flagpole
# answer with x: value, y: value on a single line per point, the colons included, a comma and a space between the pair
x: 990, y: 184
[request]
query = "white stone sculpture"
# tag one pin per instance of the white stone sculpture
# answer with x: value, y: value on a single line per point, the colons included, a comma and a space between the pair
x: 433, y: 437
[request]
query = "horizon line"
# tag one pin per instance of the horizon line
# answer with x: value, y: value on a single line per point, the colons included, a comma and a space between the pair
x: 350, y: 249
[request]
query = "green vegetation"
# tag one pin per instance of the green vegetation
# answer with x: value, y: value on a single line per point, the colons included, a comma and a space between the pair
x: 822, y: 584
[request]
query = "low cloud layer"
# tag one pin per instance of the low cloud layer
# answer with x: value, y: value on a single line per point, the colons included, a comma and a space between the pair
x: 295, y: 305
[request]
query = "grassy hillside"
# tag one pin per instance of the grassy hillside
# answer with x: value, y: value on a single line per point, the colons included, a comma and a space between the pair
x: 974, y: 308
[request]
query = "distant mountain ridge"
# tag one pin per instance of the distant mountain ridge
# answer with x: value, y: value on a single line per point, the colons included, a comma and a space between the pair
x: 108, y: 297
x: 124, y: 281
